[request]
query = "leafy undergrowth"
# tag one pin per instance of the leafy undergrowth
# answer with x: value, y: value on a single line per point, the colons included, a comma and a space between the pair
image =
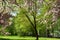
x: 24, y: 38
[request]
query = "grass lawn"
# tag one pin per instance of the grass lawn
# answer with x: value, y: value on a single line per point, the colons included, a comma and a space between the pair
x: 24, y: 38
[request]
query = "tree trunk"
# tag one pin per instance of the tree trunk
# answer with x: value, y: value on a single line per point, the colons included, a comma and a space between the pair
x: 36, y: 34
x: 35, y: 27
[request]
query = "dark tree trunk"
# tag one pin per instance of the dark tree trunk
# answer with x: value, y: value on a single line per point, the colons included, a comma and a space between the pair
x: 35, y: 27
x: 36, y: 34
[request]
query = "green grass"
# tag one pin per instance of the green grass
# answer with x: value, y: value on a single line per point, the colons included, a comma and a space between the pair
x: 24, y: 38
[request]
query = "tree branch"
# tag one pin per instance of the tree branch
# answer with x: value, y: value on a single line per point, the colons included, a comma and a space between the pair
x: 29, y: 19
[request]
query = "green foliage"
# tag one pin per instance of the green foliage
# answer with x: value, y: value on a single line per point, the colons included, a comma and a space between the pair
x: 21, y: 26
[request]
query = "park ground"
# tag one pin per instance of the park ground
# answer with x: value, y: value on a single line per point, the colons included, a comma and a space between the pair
x: 25, y: 38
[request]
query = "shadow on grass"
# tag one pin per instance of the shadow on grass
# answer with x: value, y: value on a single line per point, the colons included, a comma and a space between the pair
x: 4, y: 39
x: 12, y: 39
